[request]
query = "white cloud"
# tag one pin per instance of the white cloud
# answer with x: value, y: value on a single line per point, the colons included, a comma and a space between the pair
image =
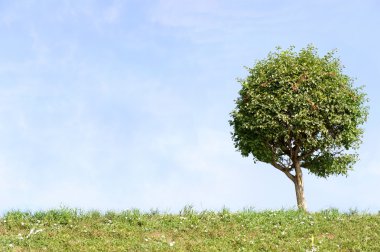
x: 10, y: 177
x: 203, y: 153
x: 112, y: 13
x: 374, y: 167
x: 71, y: 193
x: 186, y: 13
x: 369, y: 159
x: 210, y: 22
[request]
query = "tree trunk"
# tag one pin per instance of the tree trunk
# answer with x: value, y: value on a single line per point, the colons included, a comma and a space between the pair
x: 298, y: 183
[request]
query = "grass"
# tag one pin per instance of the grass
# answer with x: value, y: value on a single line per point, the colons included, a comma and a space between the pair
x: 284, y: 230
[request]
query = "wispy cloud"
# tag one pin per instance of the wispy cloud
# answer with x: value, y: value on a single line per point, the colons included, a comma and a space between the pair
x: 112, y: 13
x: 189, y: 14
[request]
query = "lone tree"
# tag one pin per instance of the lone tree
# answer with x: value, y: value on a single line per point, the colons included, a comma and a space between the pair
x: 299, y: 111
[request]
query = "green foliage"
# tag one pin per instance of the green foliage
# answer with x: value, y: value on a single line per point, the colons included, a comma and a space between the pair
x: 299, y: 106
x: 284, y: 230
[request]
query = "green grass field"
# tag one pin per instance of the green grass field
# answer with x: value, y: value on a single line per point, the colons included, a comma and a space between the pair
x: 285, y: 230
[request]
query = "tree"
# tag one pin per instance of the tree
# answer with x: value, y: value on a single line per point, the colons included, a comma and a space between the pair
x: 298, y: 111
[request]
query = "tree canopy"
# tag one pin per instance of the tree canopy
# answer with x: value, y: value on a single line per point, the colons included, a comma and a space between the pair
x: 297, y: 108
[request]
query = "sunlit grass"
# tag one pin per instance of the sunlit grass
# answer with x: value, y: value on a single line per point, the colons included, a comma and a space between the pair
x: 285, y: 230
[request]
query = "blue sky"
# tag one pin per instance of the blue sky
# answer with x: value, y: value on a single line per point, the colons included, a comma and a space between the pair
x: 125, y: 104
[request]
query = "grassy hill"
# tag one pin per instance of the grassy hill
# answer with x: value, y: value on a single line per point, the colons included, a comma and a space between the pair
x: 290, y: 230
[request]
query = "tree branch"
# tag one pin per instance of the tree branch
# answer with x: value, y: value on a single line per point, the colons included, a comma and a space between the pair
x: 308, y: 154
x: 279, y: 166
x: 285, y: 150
x: 284, y: 170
